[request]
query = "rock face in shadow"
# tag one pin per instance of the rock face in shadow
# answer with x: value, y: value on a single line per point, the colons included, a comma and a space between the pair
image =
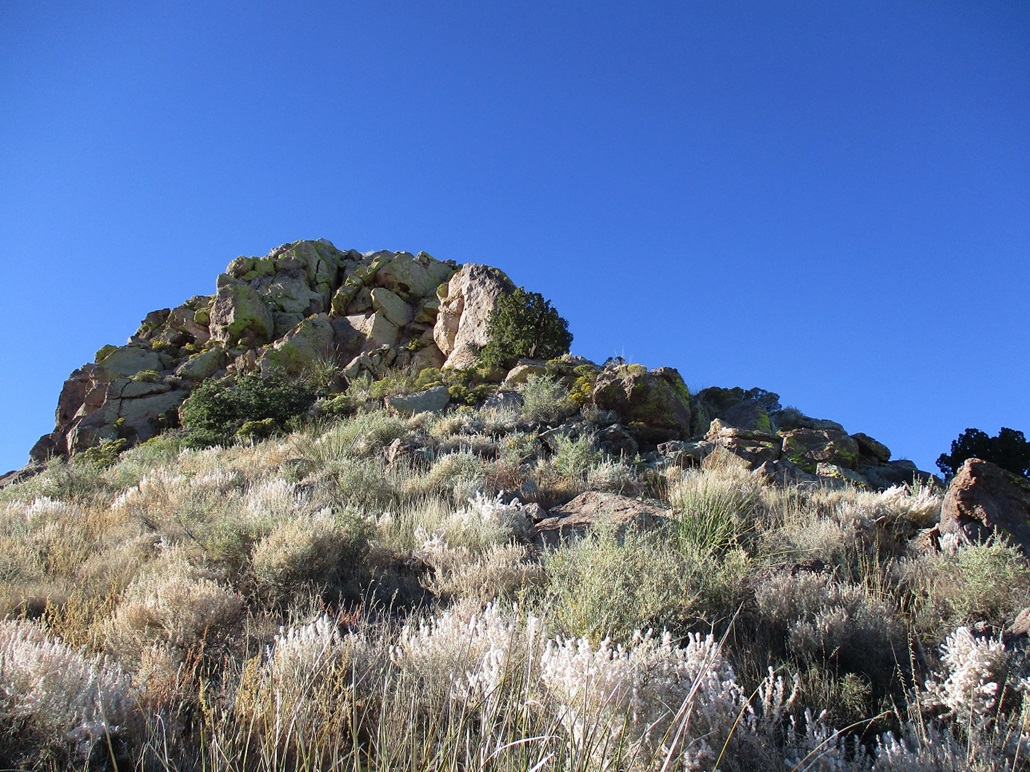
x: 653, y: 404
x: 985, y: 500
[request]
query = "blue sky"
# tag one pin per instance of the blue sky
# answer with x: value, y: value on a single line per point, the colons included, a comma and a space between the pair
x: 827, y: 200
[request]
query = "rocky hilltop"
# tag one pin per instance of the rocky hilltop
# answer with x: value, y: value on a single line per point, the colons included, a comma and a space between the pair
x: 366, y: 314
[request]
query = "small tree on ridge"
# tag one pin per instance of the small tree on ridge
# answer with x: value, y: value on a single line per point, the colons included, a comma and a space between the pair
x: 524, y: 325
x: 1009, y: 450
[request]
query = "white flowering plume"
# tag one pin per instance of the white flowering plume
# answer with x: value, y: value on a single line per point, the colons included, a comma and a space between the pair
x: 49, y: 686
x: 975, y: 675
x: 678, y: 702
x: 466, y: 653
x: 510, y: 518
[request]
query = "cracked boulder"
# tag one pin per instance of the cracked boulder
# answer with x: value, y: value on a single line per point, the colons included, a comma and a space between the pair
x: 466, y: 302
x: 654, y: 405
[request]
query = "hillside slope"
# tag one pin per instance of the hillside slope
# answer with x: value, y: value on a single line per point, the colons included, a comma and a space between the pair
x: 364, y: 550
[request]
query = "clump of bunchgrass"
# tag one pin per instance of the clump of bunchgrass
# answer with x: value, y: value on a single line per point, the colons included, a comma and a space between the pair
x: 173, y: 604
x: 574, y: 458
x: 304, y: 554
x: 963, y: 584
x: 502, y: 571
x: 546, y: 400
x: 609, y: 584
x: 714, y: 507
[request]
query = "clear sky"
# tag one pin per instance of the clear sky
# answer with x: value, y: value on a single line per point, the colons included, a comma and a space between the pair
x: 830, y: 200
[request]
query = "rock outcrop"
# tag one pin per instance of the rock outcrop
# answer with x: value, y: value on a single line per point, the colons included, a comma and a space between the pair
x: 303, y: 305
x: 465, y: 306
x: 654, y: 404
x: 984, y: 500
x: 310, y: 310
x: 592, y: 509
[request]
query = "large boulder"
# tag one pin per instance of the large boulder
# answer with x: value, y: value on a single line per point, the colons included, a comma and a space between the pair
x: 808, y: 447
x: 413, y: 276
x: 744, y: 409
x: 432, y: 400
x: 390, y: 305
x: 755, y: 447
x: 129, y: 360
x: 900, y: 472
x: 309, y: 342
x: 653, y: 404
x: 871, y: 450
x: 239, y: 316
x: 574, y: 520
x: 466, y: 302
x: 202, y: 365
x: 984, y: 500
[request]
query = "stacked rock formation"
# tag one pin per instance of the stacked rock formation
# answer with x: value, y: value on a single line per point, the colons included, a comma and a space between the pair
x: 309, y: 306
x: 303, y: 303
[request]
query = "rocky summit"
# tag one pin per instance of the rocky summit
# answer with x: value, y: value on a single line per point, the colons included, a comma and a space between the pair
x: 362, y: 315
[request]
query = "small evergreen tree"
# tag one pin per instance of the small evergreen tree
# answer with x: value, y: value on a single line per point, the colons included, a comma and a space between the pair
x: 218, y: 409
x: 524, y: 325
x: 1009, y: 450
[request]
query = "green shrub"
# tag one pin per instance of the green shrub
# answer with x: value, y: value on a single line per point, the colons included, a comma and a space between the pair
x: 546, y: 400
x: 575, y: 458
x: 524, y: 325
x: 362, y: 435
x: 103, y: 455
x: 304, y: 554
x: 217, y: 410
x: 610, y: 585
x: 986, y: 582
x: 252, y: 431
x: 146, y: 376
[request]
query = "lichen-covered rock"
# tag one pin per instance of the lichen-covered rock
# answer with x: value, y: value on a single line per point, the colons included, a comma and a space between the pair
x: 838, y: 473
x: 807, y: 447
x: 146, y: 416
x: 654, y: 405
x: 128, y: 360
x: 754, y: 446
x: 523, y: 371
x: 468, y: 299
x: 390, y: 305
x: 202, y: 365
x: 295, y: 353
x: 345, y: 295
x: 431, y: 400
x: 617, y: 441
x: 380, y: 331
x: 574, y: 520
x: 407, y: 276
x: 184, y: 325
x: 375, y: 363
x: 749, y: 415
x: 984, y: 500
x: 783, y: 472
x: 239, y: 316
x: 871, y: 449
x: 899, y: 472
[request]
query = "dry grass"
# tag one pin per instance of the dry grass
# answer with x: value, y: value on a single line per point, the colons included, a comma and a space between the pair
x: 303, y: 603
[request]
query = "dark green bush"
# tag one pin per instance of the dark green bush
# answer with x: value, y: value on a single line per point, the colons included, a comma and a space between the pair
x: 1009, y: 450
x: 524, y: 325
x: 218, y: 409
